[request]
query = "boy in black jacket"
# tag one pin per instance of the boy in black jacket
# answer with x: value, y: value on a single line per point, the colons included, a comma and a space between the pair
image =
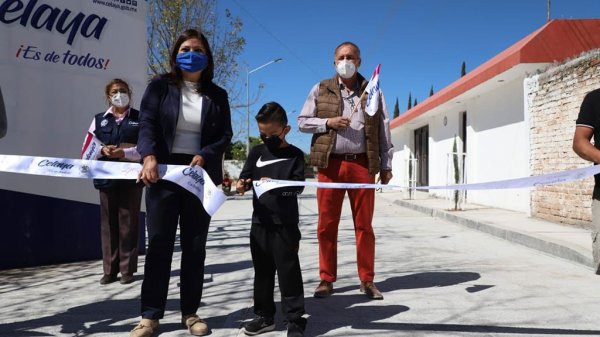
x: 274, y: 235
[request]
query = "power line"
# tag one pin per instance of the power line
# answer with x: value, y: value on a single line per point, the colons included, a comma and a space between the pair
x: 387, y: 22
x: 275, y: 37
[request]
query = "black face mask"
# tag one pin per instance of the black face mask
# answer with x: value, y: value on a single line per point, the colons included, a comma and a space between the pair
x: 272, y: 142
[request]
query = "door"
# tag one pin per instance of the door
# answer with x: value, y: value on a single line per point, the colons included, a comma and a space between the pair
x: 422, y: 154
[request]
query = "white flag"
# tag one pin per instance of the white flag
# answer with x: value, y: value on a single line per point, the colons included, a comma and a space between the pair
x: 373, y: 92
x: 92, y: 147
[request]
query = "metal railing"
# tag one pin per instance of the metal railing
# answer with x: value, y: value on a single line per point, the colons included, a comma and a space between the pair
x: 410, y: 179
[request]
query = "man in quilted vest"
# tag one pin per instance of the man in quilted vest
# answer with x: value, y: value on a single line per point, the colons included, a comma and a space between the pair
x: 348, y: 146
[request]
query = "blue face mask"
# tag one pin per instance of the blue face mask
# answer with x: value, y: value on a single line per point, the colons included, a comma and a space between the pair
x: 192, y: 61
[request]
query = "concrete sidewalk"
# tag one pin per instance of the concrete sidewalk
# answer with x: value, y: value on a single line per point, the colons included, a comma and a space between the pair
x: 563, y: 241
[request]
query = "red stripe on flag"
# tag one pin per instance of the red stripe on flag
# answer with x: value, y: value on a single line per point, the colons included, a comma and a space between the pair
x: 86, y: 143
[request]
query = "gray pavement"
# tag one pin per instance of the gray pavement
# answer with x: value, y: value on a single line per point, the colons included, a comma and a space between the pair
x: 567, y: 242
x: 439, y: 276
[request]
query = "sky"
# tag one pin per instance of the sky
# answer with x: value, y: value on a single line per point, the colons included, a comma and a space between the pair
x: 419, y: 44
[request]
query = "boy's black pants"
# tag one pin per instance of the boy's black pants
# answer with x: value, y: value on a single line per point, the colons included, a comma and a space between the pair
x: 274, y: 248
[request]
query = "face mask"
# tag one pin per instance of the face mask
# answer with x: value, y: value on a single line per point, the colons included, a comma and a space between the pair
x: 192, y: 61
x: 120, y: 100
x: 272, y: 142
x: 345, y: 68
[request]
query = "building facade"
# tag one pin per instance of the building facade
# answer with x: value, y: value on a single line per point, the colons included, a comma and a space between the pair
x: 486, y: 125
x: 553, y: 100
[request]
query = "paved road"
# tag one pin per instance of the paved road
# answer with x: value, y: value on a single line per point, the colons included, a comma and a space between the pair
x: 438, y: 279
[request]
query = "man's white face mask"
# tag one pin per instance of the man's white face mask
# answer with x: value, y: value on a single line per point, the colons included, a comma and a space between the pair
x: 345, y: 68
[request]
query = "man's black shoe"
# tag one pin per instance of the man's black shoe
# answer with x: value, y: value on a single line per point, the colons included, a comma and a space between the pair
x: 324, y: 289
x: 259, y: 325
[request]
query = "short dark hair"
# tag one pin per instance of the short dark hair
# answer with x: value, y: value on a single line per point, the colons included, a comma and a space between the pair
x: 346, y: 43
x: 175, y: 73
x: 272, y: 112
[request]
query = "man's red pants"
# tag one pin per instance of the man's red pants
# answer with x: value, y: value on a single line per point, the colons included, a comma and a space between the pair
x: 362, y: 202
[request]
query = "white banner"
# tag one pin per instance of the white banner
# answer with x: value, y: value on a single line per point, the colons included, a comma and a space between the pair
x: 262, y: 186
x: 193, y: 179
x: 56, y: 58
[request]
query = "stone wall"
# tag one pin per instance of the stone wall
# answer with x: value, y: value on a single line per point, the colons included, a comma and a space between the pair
x: 553, y: 99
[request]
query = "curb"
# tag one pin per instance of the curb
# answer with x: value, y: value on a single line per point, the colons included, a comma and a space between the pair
x: 545, y: 246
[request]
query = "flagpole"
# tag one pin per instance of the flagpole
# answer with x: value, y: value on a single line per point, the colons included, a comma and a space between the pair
x: 359, y: 99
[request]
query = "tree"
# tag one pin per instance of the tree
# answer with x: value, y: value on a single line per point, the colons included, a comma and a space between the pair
x: 168, y: 18
x: 415, y: 104
x: 396, y: 109
x: 411, y: 180
x: 431, y: 91
x: 463, y: 69
x: 255, y: 141
x: 409, y: 101
x: 456, y: 172
x: 236, y: 151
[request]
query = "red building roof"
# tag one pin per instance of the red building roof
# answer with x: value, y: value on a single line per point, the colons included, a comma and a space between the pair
x: 556, y: 41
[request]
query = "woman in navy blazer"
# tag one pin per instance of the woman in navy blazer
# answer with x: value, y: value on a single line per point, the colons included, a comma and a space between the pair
x: 184, y: 119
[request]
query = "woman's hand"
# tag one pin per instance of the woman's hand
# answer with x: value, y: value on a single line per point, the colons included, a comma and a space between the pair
x: 197, y: 161
x: 113, y: 152
x: 149, y: 173
x: 106, y: 149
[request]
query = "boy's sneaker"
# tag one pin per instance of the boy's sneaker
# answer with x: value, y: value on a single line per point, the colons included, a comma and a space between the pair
x: 259, y: 325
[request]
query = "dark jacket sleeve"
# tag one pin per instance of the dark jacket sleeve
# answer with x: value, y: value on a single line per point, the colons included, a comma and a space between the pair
x: 216, y: 134
x: 150, y: 132
x: 215, y: 147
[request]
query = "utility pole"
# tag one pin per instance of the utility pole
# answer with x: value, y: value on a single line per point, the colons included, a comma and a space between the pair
x: 548, y: 13
x: 248, y: 72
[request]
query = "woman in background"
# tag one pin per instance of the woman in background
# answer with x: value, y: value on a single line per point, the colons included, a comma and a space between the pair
x: 117, y: 128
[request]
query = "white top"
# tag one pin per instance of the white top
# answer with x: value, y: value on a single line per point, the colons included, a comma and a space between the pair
x: 187, y: 135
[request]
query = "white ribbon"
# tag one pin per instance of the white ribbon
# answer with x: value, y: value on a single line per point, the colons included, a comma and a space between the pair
x: 197, y: 181
x: 193, y: 179
x: 262, y: 186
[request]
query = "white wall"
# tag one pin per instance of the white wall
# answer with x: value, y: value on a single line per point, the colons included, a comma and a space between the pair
x: 403, y: 142
x: 497, y: 144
